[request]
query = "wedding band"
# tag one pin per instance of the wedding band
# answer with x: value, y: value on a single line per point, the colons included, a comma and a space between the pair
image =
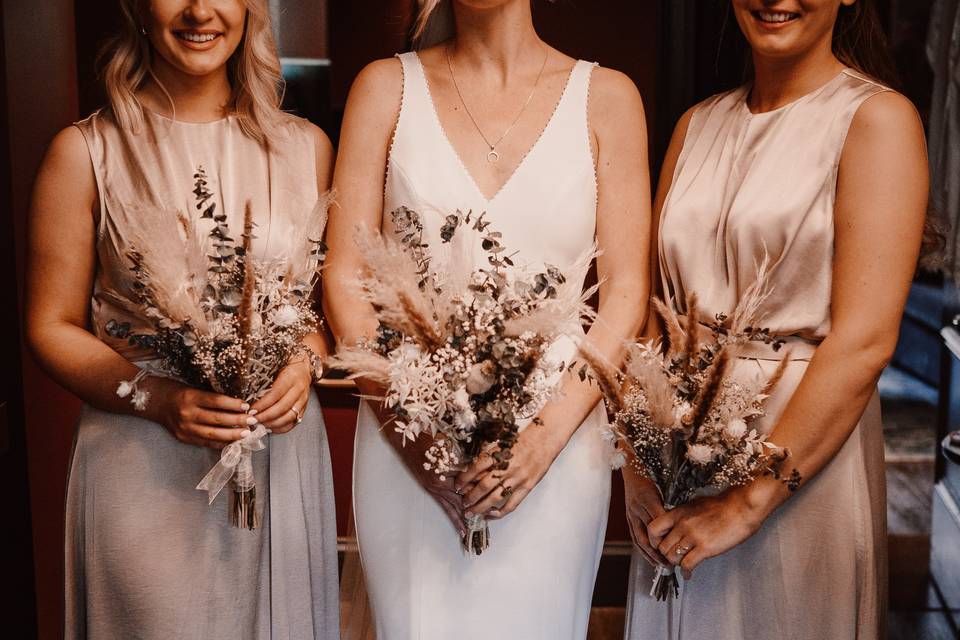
x: 297, y: 414
x: 682, y: 551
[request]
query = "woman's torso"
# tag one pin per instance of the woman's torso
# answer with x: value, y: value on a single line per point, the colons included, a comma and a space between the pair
x: 546, y: 210
x: 146, y: 178
x: 750, y: 185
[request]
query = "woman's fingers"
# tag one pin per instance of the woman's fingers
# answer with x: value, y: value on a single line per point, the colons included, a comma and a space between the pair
x: 516, y: 497
x: 659, y: 527
x: 672, y: 543
x: 467, y: 477
x: 220, y: 419
x: 214, y: 434
x: 217, y: 401
x: 280, y: 411
x: 691, y: 560
x: 454, y: 514
x: 279, y: 389
x: 493, y: 500
x: 288, y: 410
x: 481, y: 489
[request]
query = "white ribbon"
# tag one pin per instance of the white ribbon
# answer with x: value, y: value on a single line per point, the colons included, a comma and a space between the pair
x: 231, y: 455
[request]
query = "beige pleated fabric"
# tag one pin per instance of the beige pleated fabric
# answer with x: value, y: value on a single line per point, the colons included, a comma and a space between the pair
x: 749, y: 185
x: 146, y: 556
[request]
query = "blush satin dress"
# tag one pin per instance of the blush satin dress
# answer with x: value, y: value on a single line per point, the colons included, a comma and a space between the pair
x: 749, y: 185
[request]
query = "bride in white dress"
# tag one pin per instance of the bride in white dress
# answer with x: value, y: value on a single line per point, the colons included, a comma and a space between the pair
x: 554, y: 151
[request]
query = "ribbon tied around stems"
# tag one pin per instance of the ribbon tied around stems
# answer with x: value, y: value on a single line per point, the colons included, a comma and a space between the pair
x: 231, y: 458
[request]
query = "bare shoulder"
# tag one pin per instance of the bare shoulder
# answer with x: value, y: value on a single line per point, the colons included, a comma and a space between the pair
x: 614, y: 92
x: 886, y: 117
x: 380, y: 78
x: 68, y: 149
x: 321, y: 142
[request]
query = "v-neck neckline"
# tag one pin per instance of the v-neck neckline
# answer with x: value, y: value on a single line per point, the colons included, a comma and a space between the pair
x: 456, y: 155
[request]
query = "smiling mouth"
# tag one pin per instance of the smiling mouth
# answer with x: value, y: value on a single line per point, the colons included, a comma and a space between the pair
x: 775, y: 17
x: 197, y: 37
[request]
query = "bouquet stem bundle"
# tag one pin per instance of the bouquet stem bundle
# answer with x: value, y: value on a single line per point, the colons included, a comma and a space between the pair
x: 462, y: 354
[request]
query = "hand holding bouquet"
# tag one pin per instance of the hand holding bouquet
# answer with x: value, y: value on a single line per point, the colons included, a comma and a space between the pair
x: 222, y: 320
x: 461, y: 354
x: 680, y: 419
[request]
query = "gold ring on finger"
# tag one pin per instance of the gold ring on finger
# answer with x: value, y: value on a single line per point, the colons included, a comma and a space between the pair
x: 505, y: 491
x: 297, y: 415
x: 682, y: 550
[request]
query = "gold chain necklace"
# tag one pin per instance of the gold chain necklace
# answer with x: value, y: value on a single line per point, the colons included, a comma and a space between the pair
x: 493, y: 155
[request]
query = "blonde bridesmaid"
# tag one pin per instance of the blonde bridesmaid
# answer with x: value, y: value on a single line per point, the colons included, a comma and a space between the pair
x: 191, y: 83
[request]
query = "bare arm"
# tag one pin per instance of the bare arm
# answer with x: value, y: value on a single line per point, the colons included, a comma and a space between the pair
x: 369, y: 120
x: 623, y: 234
x: 61, y: 266
x: 879, y: 216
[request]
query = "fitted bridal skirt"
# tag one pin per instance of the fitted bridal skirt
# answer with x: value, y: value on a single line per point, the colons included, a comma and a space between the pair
x: 534, y: 582
x: 147, y: 558
x: 816, y: 570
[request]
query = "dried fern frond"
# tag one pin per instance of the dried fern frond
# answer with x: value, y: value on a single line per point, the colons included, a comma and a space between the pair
x: 747, y: 312
x: 691, y: 343
x: 300, y: 259
x: 361, y: 363
x: 709, y: 391
x: 607, y: 376
x: 391, y: 284
x: 774, y: 379
x: 174, y: 261
x: 671, y: 321
x: 646, y: 371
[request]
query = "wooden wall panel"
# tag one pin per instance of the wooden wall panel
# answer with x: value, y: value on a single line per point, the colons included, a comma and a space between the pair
x: 41, y: 76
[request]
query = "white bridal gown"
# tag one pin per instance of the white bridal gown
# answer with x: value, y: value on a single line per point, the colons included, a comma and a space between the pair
x: 536, y: 579
x: 748, y: 184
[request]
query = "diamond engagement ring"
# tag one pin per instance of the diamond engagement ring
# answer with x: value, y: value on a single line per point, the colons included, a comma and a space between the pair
x: 682, y: 551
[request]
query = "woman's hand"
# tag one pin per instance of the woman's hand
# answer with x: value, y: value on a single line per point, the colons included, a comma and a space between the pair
x: 413, y: 455
x: 200, y: 418
x: 705, y: 527
x: 493, y: 492
x: 643, y: 506
x: 283, y: 406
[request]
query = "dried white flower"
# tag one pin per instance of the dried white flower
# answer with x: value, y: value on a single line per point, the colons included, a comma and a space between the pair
x: 125, y: 388
x: 480, y: 378
x: 286, y: 316
x: 735, y: 430
x: 140, y: 399
x: 617, y: 459
x: 700, y: 454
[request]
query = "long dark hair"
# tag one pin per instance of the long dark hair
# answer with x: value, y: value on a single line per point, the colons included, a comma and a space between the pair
x: 858, y: 42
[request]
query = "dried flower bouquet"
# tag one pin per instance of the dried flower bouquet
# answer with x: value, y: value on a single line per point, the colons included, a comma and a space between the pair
x: 681, y: 419
x: 222, y: 319
x: 462, y: 354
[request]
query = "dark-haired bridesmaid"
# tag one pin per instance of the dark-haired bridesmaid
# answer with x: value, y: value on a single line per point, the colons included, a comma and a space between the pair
x: 819, y: 164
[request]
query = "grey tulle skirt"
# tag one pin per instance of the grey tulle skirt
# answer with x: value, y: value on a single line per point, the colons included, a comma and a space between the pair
x: 147, y: 557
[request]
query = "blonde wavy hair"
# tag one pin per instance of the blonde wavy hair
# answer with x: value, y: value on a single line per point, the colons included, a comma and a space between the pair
x: 253, y: 71
x: 434, y: 23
